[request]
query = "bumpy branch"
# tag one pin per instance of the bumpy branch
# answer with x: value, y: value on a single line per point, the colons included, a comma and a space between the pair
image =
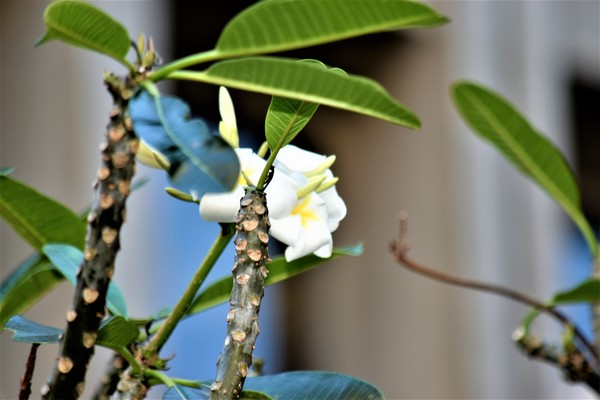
x: 111, y: 378
x: 102, y: 244
x: 585, y: 372
x: 249, y: 273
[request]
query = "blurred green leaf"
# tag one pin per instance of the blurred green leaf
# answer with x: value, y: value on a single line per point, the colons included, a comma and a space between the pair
x: 116, y: 333
x: 28, y: 331
x: 272, y: 26
x: 200, y: 161
x: 25, y: 285
x: 279, y: 270
x: 284, y: 77
x: 297, y: 385
x: 6, y: 170
x: 36, y: 217
x: 80, y: 24
x: 497, y: 121
x: 67, y: 260
x: 586, y: 292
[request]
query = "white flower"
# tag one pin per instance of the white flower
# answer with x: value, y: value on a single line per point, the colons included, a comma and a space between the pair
x: 303, y: 164
x: 304, y: 207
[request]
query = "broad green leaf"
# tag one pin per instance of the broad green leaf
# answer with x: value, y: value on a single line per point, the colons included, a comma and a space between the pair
x: 37, y: 218
x: 272, y: 26
x: 116, y: 333
x: 297, y: 385
x: 29, y: 281
x: 67, y: 260
x: 31, y: 332
x: 497, y: 121
x: 200, y: 161
x: 586, y: 292
x: 279, y: 270
x: 80, y: 24
x: 284, y: 77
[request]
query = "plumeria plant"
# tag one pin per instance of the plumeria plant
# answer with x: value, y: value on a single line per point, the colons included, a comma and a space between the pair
x: 278, y: 191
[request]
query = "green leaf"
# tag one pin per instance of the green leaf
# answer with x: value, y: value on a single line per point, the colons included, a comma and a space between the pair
x: 586, y: 292
x: 297, y: 385
x: 279, y: 270
x: 497, y: 121
x: 200, y: 161
x: 308, y: 82
x: 178, y: 392
x: 81, y: 24
x: 31, y: 332
x: 116, y: 333
x: 30, y: 280
x: 272, y: 26
x: 37, y: 218
x: 67, y: 260
x: 287, y: 117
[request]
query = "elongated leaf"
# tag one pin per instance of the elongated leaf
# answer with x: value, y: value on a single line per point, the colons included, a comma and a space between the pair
x: 31, y: 332
x: 279, y: 270
x: 30, y: 280
x: 289, y: 78
x: 200, y: 161
x: 67, y: 260
x: 497, y: 121
x: 81, y: 24
x: 272, y: 26
x: 287, y: 117
x: 37, y: 218
x: 116, y: 332
x: 586, y: 292
x: 297, y: 385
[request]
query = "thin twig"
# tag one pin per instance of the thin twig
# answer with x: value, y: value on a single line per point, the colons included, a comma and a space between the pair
x: 25, y: 391
x: 400, y: 250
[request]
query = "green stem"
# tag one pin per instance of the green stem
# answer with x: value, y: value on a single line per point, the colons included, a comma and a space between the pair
x: 184, y: 62
x: 152, y: 373
x: 187, y: 298
x: 263, y: 177
x: 133, y: 363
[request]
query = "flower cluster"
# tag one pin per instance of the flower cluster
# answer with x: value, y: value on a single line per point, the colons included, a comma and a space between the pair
x: 304, y: 206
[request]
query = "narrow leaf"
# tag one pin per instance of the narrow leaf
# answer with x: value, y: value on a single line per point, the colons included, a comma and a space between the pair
x: 80, y: 24
x: 287, y: 117
x: 116, y: 332
x: 289, y: 78
x: 272, y: 26
x: 22, y: 288
x: 31, y: 332
x: 279, y: 270
x: 37, y: 218
x: 586, y: 292
x: 200, y: 161
x: 67, y: 260
x: 497, y: 121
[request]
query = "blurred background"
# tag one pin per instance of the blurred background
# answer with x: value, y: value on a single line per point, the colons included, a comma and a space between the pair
x: 471, y: 213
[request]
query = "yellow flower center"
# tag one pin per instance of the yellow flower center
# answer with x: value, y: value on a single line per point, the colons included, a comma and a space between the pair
x: 304, y: 212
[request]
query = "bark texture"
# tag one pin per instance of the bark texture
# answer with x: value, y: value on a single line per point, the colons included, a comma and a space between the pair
x: 112, y: 187
x: 249, y: 273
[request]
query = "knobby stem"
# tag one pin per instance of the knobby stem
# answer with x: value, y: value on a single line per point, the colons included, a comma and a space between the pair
x: 187, y: 298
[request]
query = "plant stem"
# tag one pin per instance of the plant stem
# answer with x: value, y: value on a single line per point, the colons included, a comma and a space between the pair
x: 187, y: 298
x: 25, y: 389
x: 111, y: 378
x: 198, y: 58
x: 249, y: 273
x: 400, y: 250
x: 102, y: 245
